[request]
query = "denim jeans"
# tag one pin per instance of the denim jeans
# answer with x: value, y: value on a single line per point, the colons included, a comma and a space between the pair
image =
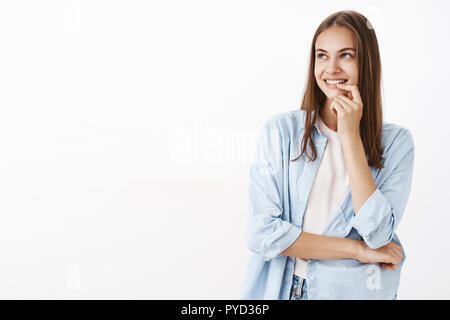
x: 299, y: 289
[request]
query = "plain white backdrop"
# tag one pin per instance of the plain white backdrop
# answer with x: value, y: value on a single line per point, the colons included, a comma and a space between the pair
x: 127, y: 129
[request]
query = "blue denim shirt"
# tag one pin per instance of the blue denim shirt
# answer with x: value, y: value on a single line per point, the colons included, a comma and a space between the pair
x: 278, y: 194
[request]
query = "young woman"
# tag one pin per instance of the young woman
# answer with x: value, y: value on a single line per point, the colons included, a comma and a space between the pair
x: 329, y: 182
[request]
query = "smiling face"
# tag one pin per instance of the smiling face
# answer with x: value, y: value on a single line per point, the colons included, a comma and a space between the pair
x: 335, y: 59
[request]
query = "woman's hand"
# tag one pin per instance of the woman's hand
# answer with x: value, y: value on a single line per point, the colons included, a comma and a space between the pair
x: 390, y: 255
x: 348, y: 110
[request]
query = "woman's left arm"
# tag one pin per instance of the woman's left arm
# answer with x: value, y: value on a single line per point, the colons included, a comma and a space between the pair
x: 359, y: 175
x: 378, y: 209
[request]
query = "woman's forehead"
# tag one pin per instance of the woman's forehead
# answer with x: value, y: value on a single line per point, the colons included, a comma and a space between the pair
x: 334, y: 39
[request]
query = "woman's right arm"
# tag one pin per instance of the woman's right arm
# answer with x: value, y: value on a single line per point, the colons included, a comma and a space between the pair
x: 316, y: 246
x: 320, y: 247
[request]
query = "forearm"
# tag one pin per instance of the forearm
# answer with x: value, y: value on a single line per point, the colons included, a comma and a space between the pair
x: 316, y: 246
x: 360, y: 178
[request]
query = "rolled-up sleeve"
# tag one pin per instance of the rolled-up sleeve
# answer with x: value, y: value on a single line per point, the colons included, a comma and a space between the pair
x: 267, y: 233
x: 378, y: 218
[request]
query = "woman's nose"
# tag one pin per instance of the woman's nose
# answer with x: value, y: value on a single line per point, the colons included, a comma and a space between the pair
x: 333, y: 66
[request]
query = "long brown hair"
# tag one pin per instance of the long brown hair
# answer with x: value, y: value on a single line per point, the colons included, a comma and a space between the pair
x: 369, y: 86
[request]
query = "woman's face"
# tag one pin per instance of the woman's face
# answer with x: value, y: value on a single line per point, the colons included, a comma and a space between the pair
x: 335, y: 59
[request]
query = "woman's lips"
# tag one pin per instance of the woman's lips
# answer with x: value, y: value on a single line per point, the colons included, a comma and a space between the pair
x: 332, y: 86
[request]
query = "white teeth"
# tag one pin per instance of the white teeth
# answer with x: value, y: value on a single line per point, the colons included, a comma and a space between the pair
x: 334, y: 81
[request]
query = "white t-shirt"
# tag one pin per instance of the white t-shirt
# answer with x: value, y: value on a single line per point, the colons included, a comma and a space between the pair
x: 328, y: 190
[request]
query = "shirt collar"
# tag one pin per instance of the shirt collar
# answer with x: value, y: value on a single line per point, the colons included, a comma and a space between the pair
x: 316, y: 125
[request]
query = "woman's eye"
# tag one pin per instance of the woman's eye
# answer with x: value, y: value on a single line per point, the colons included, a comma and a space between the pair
x: 321, y: 54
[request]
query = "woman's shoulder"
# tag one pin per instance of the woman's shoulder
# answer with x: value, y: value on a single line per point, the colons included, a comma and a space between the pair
x: 393, y: 128
x: 395, y: 137
x: 287, y: 121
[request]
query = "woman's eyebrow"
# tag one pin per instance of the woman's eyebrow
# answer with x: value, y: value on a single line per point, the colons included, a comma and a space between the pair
x: 343, y: 49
